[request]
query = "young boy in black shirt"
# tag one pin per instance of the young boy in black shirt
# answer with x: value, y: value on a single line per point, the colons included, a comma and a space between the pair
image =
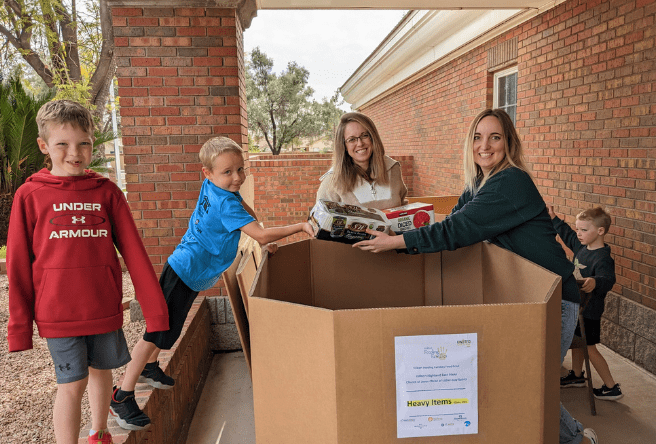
x: 595, y: 266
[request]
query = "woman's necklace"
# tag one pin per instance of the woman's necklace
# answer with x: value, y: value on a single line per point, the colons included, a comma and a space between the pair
x: 373, y: 189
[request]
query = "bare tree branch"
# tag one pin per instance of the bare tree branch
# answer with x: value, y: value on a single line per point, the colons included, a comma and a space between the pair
x: 14, y: 6
x: 21, y: 42
x: 70, y: 53
x: 104, y: 73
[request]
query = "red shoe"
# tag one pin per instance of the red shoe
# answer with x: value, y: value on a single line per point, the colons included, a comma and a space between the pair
x: 101, y: 437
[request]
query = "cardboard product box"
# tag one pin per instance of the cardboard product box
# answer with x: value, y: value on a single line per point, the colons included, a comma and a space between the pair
x: 442, y: 205
x: 325, y: 319
x: 410, y: 216
x: 345, y: 223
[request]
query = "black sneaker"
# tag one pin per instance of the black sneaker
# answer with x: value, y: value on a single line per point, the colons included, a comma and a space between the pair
x: 612, y: 394
x: 571, y: 380
x: 154, y: 376
x: 127, y: 413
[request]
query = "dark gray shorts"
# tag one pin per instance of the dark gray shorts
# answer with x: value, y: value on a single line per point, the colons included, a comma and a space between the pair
x: 74, y: 355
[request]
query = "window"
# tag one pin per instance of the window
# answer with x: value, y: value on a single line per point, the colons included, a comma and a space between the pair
x: 505, y: 91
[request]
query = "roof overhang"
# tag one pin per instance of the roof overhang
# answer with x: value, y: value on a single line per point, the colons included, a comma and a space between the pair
x: 425, y: 40
x: 401, y: 4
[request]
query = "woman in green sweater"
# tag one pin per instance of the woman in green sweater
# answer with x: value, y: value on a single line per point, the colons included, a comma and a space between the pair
x: 502, y: 205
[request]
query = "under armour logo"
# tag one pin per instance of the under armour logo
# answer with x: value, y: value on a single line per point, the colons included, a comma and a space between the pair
x: 78, y: 219
x: 66, y: 367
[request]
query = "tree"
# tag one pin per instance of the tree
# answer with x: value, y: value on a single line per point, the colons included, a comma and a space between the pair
x: 328, y: 113
x: 69, y: 49
x: 280, y: 107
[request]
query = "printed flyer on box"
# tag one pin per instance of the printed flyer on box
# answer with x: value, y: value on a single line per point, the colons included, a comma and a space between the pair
x: 436, y: 385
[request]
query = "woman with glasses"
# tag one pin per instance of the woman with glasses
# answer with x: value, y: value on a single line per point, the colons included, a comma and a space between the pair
x: 501, y: 204
x: 361, y: 173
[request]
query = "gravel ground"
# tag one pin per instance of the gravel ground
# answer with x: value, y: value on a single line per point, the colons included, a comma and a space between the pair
x: 28, y: 383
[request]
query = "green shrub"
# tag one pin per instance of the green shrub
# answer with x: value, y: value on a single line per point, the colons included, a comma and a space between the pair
x: 20, y: 156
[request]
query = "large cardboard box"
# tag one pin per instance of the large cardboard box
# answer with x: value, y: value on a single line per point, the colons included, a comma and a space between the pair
x: 323, y: 321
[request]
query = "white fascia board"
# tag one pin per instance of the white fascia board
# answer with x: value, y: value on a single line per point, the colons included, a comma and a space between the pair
x: 424, y: 41
x: 398, y: 4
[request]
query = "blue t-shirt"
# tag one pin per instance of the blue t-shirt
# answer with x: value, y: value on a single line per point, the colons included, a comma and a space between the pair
x: 210, y: 244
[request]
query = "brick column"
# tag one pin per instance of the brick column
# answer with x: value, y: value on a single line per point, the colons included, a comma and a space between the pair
x: 180, y: 70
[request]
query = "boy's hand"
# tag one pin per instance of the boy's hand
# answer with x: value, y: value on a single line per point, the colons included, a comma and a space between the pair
x: 551, y: 211
x: 588, y: 285
x: 271, y: 248
x: 308, y: 229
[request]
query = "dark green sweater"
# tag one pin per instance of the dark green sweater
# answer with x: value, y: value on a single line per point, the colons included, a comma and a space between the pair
x: 509, y: 212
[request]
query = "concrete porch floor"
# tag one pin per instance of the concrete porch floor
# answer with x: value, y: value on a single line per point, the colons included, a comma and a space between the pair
x: 224, y: 414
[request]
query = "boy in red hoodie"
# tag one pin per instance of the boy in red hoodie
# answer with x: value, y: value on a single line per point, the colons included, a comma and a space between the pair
x: 64, y: 274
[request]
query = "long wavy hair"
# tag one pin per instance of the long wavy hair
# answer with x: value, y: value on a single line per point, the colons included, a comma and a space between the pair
x: 345, y: 171
x: 513, y: 156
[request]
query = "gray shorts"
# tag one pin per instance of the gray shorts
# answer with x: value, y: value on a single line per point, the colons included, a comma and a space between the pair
x: 74, y: 355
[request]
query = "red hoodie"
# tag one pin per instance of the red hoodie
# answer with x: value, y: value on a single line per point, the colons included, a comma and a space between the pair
x: 63, y: 269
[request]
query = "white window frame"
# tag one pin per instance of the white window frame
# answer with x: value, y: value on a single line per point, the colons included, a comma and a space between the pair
x: 495, y: 92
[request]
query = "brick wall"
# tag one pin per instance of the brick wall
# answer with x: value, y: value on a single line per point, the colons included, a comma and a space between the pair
x: 181, y: 81
x: 586, y: 113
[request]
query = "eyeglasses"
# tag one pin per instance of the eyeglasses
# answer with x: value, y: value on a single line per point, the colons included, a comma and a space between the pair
x: 353, y: 140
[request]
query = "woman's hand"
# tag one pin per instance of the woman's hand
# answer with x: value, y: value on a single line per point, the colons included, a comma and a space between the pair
x: 381, y: 242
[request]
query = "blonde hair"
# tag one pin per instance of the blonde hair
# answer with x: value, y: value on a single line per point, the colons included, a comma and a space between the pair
x: 61, y: 112
x: 598, y: 216
x: 345, y: 170
x: 513, y: 156
x: 215, y: 147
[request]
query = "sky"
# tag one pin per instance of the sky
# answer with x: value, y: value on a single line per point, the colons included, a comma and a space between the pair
x: 331, y: 45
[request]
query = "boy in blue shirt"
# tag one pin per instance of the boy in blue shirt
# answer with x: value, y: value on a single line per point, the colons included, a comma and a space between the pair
x: 595, y: 266
x: 208, y: 248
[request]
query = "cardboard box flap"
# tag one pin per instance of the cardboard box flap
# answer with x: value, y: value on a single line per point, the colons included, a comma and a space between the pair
x: 246, y: 274
x: 287, y: 277
x: 352, y: 269
x: 293, y: 372
x: 404, y: 285
x: 510, y: 278
x: 361, y: 377
x: 237, y: 306
x: 366, y: 380
x: 462, y: 276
